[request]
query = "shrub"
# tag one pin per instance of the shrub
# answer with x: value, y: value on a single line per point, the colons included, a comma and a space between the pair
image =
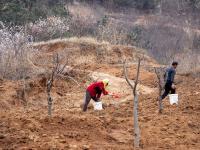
x: 146, y: 4
x: 196, y: 42
x: 195, y: 4
x: 50, y: 28
x: 112, y: 32
x: 188, y: 62
x: 139, y: 4
x: 124, y: 2
x: 14, y: 53
x: 134, y: 36
x: 13, y: 12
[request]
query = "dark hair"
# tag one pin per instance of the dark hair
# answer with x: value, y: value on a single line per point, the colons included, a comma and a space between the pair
x: 175, y: 63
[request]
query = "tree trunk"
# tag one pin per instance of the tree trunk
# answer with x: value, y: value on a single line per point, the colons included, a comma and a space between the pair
x: 136, y: 125
x: 135, y: 107
x: 57, y: 70
x: 160, y: 90
x: 50, y: 100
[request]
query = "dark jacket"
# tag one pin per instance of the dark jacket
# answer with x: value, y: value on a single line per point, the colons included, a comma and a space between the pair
x: 170, y: 75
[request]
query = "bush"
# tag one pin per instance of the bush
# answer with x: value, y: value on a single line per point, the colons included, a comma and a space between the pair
x: 188, y: 62
x: 134, y: 36
x: 195, y: 4
x: 146, y: 4
x: 124, y: 2
x: 50, y: 28
x: 14, y: 53
x: 13, y: 12
x: 140, y: 4
x: 113, y: 32
x: 196, y: 42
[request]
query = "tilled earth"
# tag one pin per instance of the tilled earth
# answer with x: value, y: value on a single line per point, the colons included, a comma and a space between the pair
x: 24, y: 123
x: 178, y: 127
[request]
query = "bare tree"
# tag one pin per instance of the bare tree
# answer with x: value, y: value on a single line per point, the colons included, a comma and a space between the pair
x: 57, y: 69
x: 160, y: 87
x: 135, y: 94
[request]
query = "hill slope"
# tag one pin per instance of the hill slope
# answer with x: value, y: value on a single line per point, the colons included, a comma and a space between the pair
x: 25, y: 127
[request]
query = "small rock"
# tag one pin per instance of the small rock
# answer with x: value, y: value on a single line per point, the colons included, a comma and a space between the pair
x: 57, y: 137
x: 2, y: 136
x: 163, y: 129
x: 73, y: 146
x: 191, y: 124
x: 86, y: 147
x: 63, y: 141
x: 44, y: 135
x: 122, y: 120
x: 67, y: 146
x: 101, y: 117
x: 83, y: 118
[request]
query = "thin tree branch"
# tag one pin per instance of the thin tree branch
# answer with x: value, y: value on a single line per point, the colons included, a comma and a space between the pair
x: 66, y: 76
x: 126, y: 76
x: 62, y: 69
x: 137, y: 77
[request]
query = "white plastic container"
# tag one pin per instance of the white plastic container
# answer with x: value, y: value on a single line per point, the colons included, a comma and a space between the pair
x: 173, y: 99
x: 97, y: 105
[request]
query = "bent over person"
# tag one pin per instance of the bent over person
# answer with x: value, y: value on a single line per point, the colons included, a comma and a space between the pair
x: 94, y: 92
x: 169, y: 80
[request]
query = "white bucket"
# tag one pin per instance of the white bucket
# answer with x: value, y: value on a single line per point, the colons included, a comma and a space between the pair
x: 173, y: 99
x: 97, y: 105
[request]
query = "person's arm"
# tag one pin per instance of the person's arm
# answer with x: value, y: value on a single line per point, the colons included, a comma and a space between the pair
x: 104, y: 91
x: 98, y: 95
x: 164, y: 76
x: 172, y: 75
x: 98, y: 90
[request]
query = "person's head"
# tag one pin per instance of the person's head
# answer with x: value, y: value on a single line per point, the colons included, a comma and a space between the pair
x: 106, y: 82
x: 175, y: 64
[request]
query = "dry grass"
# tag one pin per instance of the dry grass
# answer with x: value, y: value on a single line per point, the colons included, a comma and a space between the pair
x: 188, y: 62
x: 86, y: 12
x: 88, y: 40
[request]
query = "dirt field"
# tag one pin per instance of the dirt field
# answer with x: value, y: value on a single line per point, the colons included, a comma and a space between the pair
x: 24, y: 123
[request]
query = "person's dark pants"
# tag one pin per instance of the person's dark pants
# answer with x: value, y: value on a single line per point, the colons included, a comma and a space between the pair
x: 168, y: 89
x: 87, y: 99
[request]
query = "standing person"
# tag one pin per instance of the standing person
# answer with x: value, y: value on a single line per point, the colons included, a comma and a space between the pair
x: 169, y: 80
x: 94, y: 92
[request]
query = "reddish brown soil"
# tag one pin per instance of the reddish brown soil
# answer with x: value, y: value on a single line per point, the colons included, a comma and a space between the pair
x: 29, y: 127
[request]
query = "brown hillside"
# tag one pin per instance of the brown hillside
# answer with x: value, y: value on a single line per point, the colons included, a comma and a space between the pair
x: 24, y: 123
